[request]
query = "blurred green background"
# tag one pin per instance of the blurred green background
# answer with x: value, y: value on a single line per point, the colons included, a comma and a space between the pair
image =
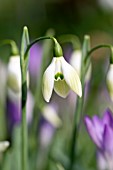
x: 65, y: 16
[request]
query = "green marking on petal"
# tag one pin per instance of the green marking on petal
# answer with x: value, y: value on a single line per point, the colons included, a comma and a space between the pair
x: 61, y: 88
x: 59, y: 75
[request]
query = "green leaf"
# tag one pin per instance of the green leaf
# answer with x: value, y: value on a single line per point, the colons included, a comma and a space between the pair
x: 23, y: 59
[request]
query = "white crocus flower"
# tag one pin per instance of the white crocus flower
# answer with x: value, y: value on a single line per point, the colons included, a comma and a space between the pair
x: 61, y: 77
x: 3, y: 146
x: 109, y: 81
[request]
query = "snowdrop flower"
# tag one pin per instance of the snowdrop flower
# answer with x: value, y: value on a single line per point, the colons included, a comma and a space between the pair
x: 61, y: 77
x: 3, y: 145
x: 101, y: 132
x: 109, y: 81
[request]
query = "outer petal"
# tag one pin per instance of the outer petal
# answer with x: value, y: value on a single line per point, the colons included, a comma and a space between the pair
x: 61, y: 88
x: 71, y: 77
x: 99, y: 127
x: 108, y: 139
x: 107, y: 118
x: 48, y: 81
x: 92, y: 131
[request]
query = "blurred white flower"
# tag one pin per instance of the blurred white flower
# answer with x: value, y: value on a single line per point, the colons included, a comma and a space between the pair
x: 106, y: 4
x: 14, y: 77
x: 14, y: 74
x: 109, y: 81
x: 50, y: 121
x: 50, y: 114
x: 62, y: 77
x: 76, y: 60
x: 3, y: 76
x: 3, y: 145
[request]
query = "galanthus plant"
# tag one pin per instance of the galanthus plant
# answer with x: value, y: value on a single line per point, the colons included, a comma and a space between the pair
x: 42, y: 137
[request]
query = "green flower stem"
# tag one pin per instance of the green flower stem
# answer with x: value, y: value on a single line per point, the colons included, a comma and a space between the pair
x: 77, y: 120
x: 98, y: 47
x: 57, y: 49
x: 24, y: 140
x: 14, y: 48
x: 80, y: 103
x: 69, y: 38
x: 24, y: 65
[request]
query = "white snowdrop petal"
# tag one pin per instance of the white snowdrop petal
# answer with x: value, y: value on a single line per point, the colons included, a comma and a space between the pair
x: 48, y: 81
x: 71, y: 77
x: 61, y: 88
x: 4, y: 145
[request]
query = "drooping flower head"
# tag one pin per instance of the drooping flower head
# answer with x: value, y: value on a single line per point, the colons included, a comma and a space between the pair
x: 101, y: 132
x: 61, y: 77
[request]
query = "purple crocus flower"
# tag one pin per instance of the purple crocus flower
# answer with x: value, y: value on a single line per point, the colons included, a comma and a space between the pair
x: 101, y: 132
x: 13, y: 110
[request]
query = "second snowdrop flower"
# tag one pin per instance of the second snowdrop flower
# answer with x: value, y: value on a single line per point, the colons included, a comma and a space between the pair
x: 61, y: 77
x: 14, y: 74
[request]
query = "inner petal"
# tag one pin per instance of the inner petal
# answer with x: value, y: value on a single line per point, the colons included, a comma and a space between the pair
x: 58, y: 68
x: 59, y: 76
x: 61, y: 88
